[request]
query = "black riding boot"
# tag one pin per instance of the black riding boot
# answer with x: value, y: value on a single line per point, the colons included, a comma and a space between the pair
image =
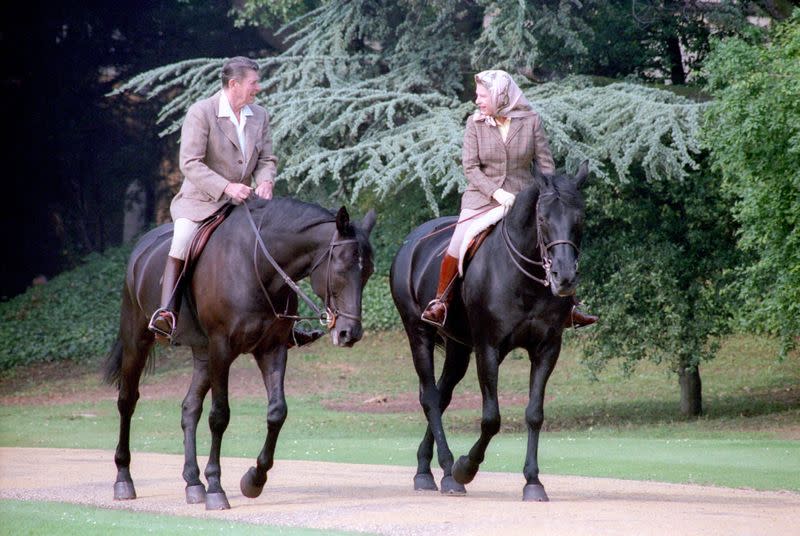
x: 165, y: 319
x: 301, y: 337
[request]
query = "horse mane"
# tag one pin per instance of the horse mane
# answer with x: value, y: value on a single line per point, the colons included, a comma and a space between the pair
x: 310, y: 214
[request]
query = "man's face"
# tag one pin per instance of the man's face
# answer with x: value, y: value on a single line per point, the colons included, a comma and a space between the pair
x: 244, y: 91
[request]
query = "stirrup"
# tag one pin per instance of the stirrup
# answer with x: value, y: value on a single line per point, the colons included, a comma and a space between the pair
x: 159, y: 314
x: 431, y: 322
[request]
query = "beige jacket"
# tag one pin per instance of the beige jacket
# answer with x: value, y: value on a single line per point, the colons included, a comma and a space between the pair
x: 210, y: 158
x: 489, y: 163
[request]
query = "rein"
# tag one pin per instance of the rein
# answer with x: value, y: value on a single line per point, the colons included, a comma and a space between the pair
x: 326, y: 318
x: 544, y: 249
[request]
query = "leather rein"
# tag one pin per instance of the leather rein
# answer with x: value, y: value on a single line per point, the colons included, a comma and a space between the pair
x: 544, y: 249
x: 328, y: 317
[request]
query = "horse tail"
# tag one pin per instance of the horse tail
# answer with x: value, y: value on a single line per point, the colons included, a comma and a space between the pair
x: 113, y: 364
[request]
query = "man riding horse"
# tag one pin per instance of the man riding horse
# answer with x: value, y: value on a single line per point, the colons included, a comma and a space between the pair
x: 226, y: 145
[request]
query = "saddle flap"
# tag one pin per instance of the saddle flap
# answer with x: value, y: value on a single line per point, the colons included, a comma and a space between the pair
x: 200, y: 238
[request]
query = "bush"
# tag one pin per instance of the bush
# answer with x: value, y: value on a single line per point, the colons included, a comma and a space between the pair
x: 74, y: 316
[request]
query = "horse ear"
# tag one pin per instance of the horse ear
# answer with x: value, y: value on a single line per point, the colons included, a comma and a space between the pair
x: 369, y: 221
x: 342, y: 220
x: 583, y: 174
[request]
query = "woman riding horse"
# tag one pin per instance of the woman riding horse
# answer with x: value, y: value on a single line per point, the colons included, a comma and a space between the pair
x: 504, y: 137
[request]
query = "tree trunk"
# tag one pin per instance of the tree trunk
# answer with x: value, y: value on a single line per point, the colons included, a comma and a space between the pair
x: 677, y: 74
x: 691, y: 392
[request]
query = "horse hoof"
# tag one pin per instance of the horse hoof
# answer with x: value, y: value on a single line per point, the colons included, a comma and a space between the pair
x: 195, y: 494
x: 534, y: 492
x: 424, y: 482
x: 124, y: 491
x: 251, y: 485
x: 451, y: 487
x: 217, y: 501
x: 464, y: 471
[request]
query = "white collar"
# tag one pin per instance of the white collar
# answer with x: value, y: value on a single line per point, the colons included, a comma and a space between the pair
x: 225, y: 109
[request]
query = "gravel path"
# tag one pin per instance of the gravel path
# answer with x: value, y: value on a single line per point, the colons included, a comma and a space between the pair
x: 380, y: 499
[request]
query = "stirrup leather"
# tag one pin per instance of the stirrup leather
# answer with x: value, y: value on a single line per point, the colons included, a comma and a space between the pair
x: 431, y: 322
x: 159, y: 314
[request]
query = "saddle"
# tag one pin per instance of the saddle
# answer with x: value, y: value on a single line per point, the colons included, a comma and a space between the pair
x: 200, y: 238
x: 474, y: 244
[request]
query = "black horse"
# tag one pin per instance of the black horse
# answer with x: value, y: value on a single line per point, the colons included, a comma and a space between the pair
x: 516, y: 293
x: 237, y: 302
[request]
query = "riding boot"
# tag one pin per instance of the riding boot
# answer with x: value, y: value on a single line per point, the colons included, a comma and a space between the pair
x: 436, y: 311
x: 165, y: 319
x: 577, y: 318
x: 301, y: 337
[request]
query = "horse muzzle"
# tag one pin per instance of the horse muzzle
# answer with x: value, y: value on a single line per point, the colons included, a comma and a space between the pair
x: 346, y: 334
x: 563, y: 284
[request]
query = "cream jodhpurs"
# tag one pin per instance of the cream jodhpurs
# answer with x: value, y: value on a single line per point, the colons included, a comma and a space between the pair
x: 181, y: 237
x: 464, y: 222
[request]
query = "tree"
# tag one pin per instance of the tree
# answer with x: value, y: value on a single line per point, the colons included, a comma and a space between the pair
x: 369, y: 98
x: 753, y: 133
x: 75, y: 152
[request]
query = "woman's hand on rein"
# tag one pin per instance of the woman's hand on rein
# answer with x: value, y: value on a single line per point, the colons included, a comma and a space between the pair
x: 503, y: 197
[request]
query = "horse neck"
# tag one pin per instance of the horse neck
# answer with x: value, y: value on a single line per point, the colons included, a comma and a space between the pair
x: 305, y: 247
x: 520, y: 222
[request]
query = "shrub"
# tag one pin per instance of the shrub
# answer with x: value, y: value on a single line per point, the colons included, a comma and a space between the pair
x: 74, y: 316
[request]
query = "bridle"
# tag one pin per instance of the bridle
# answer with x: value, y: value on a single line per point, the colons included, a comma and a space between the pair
x: 332, y: 312
x: 544, y: 249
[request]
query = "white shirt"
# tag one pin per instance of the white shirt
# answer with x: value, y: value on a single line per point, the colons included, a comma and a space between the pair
x: 503, y: 128
x: 225, y: 110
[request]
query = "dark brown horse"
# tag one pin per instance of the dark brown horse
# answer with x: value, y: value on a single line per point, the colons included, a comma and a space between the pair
x: 237, y: 302
x: 516, y: 293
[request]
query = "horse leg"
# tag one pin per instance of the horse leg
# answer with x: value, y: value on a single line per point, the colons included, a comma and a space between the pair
x: 219, y: 364
x: 191, y: 409
x: 126, y: 363
x: 421, y: 342
x: 543, y: 362
x: 487, y: 362
x: 453, y: 371
x: 273, y: 370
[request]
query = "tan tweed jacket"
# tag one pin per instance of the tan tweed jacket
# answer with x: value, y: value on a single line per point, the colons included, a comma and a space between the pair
x: 489, y: 163
x: 210, y: 158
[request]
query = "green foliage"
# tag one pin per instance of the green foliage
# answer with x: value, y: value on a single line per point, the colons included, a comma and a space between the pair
x: 656, y: 259
x: 519, y: 35
x: 74, y: 316
x: 370, y: 98
x: 753, y: 132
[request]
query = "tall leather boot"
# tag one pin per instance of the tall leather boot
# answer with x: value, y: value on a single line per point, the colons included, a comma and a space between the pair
x: 577, y: 318
x: 436, y: 311
x: 165, y: 319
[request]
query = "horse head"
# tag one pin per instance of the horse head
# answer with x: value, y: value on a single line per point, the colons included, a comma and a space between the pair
x: 340, y: 278
x: 559, y: 225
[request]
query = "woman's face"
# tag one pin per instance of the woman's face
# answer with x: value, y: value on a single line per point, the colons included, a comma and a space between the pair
x: 483, y: 100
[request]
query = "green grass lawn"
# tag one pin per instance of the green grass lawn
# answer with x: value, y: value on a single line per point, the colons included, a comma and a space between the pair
x: 623, y: 427
x: 48, y: 518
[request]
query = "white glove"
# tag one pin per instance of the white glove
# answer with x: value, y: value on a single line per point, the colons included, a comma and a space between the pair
x: 504, y: 198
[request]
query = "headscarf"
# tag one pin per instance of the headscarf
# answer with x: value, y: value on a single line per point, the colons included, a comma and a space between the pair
x: 507, y: 98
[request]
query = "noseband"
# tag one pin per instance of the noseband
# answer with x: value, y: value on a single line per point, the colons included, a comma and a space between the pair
x: 327, y: 318
x: 331, y: 310
x: 544, y: 249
